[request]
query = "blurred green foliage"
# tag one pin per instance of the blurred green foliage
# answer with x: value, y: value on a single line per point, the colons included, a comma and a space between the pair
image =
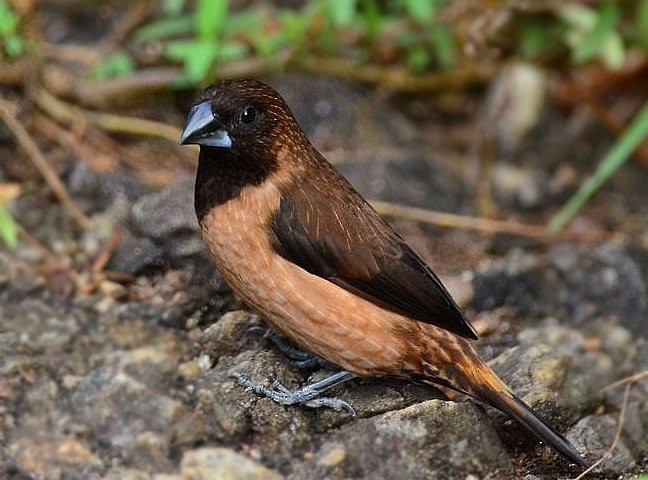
x: 8, y: 228
x: 117, y: 65
x: 214, y: 34
x: 204, y: 34
x: 12, y: 43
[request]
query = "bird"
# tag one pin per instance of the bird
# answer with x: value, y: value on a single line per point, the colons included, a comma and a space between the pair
x: 307, y: 252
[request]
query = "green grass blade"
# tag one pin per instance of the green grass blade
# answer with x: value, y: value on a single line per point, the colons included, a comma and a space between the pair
x: 635, y: 133
x: 8, y: 228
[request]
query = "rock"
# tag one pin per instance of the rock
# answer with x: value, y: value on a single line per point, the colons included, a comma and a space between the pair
x: 412, y: 176
x: 40, y: 326
x: 222, y: 464
x: 96, y: 191
x: 582, y: 286
x: 232, y: 413
x: 603, y: 281
x: 336, y: 114
x: 168, y: 219
x: 124, y: 414
x: 520, y: 187
x: 129, y: 474
x: 136, y: 256
x: 593, y: 436
x: 43, y: 456
x: 161, y: 215
x: 515, y: 104
x: 19, y: 275
x: 542, y: 371
x: 433, y: 440
x: 229, y: 334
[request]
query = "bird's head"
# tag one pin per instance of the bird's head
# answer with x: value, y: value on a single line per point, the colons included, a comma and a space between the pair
x: 240, y: 118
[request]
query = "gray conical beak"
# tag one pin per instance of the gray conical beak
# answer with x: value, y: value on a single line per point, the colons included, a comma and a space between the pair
x: 203, y: 127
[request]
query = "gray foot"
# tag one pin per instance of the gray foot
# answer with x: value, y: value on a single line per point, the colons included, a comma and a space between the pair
x: 298, y: 358
x: 308, y: 395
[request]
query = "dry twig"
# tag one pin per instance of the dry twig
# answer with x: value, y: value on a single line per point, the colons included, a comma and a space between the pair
x: 68, y: 113
x: 38, y: 159
x: 485, y: 225
x: 100, y: 262
x: 70, y: 53
x: 631, y: 379
x: 97, y: 160
x: 399, y: 78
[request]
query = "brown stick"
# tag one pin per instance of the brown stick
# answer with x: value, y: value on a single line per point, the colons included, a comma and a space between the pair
x: 70, y: 53
x: 111, y: 92
x: 38, y: 159
x: 485, y: 225
x: 399, y: 78
x: 97, y: 160
x: 631, y: 379
x: 68, y: 113
x: 100, y: 263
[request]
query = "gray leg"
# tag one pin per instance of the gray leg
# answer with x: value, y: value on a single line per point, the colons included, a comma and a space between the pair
x: 307, y: 395
x: 298, y: 358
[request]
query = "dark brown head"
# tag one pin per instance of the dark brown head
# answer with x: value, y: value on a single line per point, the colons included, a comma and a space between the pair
x: 245, y: 119
x: 242, y: 127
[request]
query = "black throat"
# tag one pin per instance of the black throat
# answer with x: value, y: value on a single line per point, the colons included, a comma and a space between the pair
x: 222, y: 175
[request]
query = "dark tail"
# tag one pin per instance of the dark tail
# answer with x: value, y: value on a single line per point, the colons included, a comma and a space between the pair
x: 508, y: 403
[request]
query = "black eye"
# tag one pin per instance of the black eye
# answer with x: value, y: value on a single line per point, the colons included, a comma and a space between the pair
x: 248, y: 115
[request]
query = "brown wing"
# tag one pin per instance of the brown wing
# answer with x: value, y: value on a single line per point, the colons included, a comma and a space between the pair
x: 324, y: 226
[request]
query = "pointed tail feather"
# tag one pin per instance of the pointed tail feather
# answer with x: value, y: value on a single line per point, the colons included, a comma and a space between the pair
x: 513, y: 406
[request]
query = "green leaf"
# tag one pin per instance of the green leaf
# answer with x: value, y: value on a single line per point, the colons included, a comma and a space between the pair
x: 418, y: 59
x: 9, y: 20
x: 372, y: 19
x: 634, y: 134
x: 444, y: 45
x: 578, y: 16
x: 231, y: 52
x: 172, y: 8
x: 246, y: 22
x: 640, y: 33
x: 14, y: 46
x: 422, y: 10
x: 115, y: 66
x: 536, y: 39
x: 267, y: 45
x: 198, y: 57
x: 341, y: 12
x: 209, y: 18
x: 294, y: 27
x: 608, y: 16
x: 613, y: 52
x: 165, y: 28
x: 8, y: 228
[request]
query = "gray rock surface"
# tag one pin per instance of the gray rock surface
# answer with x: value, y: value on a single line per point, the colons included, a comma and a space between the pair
x: 429, y: 440
x: 580, y: 286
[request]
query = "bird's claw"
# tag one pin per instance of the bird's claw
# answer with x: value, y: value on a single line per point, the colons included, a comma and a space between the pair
x: 308, y: 395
